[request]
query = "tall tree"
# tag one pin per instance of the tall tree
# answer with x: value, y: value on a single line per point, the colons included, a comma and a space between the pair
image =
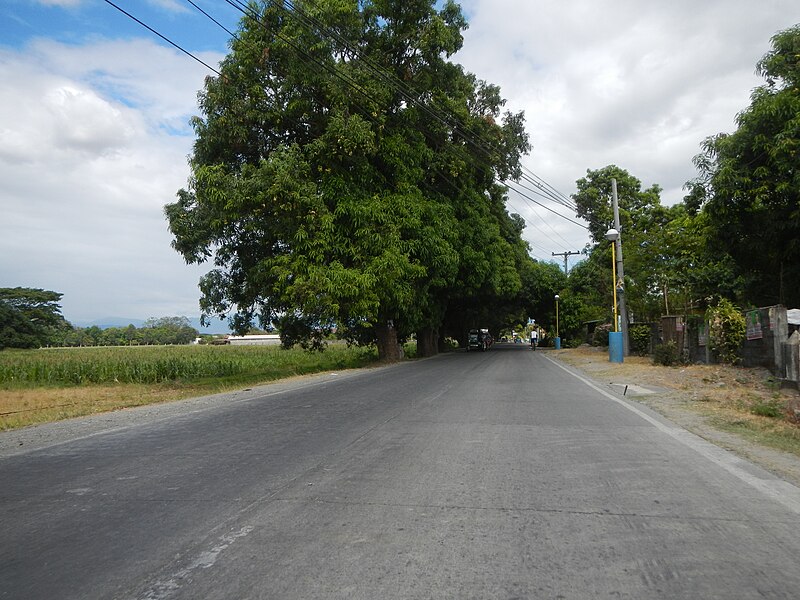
x: 642, y: 222
x: 336, y: 178
x: 29, y: 317
x: 749, y: 181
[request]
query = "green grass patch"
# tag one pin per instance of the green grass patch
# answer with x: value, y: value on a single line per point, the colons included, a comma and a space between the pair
x: 37, y: 386
x: 765, y: 431
x: 162, y: 364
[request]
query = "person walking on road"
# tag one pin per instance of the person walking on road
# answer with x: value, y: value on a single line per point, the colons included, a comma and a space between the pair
x: 534, y: 338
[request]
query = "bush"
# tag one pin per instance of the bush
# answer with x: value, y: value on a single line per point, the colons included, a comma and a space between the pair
x: 666, y: 354
x: 600, y: 336
x: 773, y: 408
x: 727, y: 329
x: 639, y: 338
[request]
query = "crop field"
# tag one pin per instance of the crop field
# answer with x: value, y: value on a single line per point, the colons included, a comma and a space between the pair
x: 56, y: 383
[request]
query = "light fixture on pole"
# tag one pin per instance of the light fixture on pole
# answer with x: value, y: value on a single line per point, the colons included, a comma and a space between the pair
x: 612, y: 235
x: 616, y: 348
x: 558, y: 339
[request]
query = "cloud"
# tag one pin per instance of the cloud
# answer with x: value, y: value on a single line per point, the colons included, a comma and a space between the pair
x: 88, y: 157
x: 637, y: 84
x: 169, y: 5
x: 61, y: 3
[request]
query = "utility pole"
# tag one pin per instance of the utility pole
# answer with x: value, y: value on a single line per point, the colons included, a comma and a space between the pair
x: 620, y: 283
x: 566, y: 256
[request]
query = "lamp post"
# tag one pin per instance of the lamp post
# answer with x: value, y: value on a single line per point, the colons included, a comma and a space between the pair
x: 612, y: 235
x: 620, y: 282
x: 558, y: 339
x: 616, y: 351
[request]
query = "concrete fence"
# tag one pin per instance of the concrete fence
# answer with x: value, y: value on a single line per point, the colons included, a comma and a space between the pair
x: 772, y: 340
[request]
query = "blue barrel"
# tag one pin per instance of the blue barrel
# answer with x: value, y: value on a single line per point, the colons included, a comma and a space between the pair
x: 615, y: 347
x: 558, y: 343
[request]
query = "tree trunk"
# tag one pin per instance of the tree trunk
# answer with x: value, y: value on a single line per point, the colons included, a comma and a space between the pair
x: 427, y: 342
x: 388, y: 348
x: 442, y: 342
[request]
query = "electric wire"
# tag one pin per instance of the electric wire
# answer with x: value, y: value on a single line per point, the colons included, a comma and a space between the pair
x: 166, y: 39
x: 545, y: 190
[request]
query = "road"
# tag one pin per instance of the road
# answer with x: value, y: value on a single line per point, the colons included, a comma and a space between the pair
x: 470, y: 475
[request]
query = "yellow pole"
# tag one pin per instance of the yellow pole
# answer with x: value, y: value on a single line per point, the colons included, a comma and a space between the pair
x: 614, y: 283
x: 556, y: 318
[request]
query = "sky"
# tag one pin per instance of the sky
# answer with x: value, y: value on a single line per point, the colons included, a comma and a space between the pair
x: 95, y: 110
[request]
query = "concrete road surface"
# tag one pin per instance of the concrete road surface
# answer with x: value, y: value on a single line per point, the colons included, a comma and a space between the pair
x: 471, y: 475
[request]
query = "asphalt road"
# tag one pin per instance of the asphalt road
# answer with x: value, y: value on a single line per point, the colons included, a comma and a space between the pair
x: 470, y: 475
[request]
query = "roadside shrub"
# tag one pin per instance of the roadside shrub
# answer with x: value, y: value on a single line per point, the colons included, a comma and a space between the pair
x: 639, y: 339
x: 600, y: 336
x: 727, y: 328
x: 666, y: 354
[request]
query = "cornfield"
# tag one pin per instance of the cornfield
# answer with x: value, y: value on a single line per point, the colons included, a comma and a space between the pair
x: 162, y: 364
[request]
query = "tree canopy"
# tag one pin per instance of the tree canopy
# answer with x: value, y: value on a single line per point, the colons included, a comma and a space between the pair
x: 749, y: 182
x: 29, y: 316
x: 344, y: 173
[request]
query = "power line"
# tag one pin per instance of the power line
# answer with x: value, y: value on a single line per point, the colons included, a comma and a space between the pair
x: 545, y: 254
x: 529, y: 199
x: 228, y: 31
x: 166, y: 39
x: 544, y: 190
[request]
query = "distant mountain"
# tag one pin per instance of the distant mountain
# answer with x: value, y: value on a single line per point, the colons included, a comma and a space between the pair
x: 107, y: 322
x: 216, y: 326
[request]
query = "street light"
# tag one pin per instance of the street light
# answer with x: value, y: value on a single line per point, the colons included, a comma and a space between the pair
x: 558, y: 339
x: 616, y: 347
x: 612, y: 235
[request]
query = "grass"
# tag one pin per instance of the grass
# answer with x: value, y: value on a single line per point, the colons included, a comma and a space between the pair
x: 38, y: 386
x: 766, y: 431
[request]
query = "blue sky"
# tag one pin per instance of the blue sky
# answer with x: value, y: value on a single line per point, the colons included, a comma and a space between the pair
x: 78, y: 21
x: 94, y: 113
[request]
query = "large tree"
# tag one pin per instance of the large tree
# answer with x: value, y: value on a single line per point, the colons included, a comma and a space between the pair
x: 344, y: 173
x: 749, y: 182
x: 642, y: 223
x: 30, y: 317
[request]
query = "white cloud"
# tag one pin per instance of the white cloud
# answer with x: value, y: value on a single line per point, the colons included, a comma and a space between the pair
x: 633, y: 83
x: 85, y: 176
x: 62, y: 3
x: 170, y: 5
x: 94, y: 136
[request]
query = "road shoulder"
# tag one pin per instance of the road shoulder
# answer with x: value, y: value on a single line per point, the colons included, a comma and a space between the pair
x: 674, y: 395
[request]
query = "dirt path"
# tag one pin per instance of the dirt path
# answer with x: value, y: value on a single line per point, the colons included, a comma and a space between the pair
x: 708, y: 400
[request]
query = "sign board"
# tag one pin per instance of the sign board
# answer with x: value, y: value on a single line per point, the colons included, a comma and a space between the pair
x: 754, y: 331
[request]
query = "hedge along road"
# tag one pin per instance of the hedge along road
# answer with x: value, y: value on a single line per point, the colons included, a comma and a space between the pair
x: 471, y: 475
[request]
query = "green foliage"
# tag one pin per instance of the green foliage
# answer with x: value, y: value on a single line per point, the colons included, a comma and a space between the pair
x: 727, y: 328
x: 636, y: 211
x: 639, y: 339
x: 666, y: 354
x: 156, y: 331
x: 147, y: 364
x: 29, y: 317
x: 342, y: 205
x: 748, y: 184
x: 593, y: 199
x: 773, y: 408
